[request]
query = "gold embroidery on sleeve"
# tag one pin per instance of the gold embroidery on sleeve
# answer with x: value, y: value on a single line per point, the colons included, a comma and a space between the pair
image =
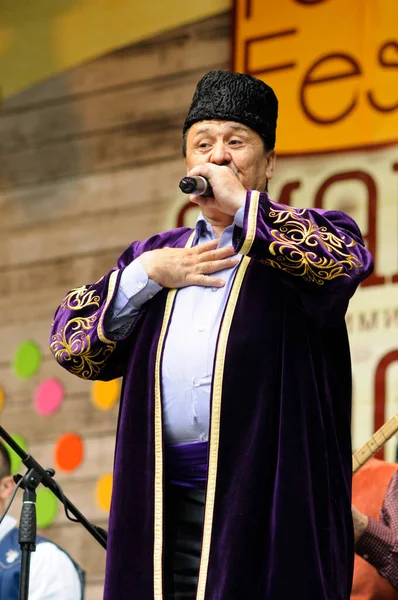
x: 80, y: 298
x: 295, y: 248
x: 72, y: 344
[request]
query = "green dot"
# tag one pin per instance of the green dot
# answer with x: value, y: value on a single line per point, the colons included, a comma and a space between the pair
x: 15, y: 459
x: 46, y: 507
x: 27, y: 359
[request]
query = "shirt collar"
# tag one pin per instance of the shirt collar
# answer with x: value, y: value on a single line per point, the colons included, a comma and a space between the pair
x: 202, y: 227
x: 201, y: 223
x: 204, y: 230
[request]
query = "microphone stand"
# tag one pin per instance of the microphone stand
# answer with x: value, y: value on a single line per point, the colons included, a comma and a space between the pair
x: 27, y: 529
x: 35, y: 476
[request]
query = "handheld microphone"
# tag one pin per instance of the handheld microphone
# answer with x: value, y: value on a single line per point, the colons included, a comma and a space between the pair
x: 197, y: 186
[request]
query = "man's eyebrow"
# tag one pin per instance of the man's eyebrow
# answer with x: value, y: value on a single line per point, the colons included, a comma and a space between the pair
x: 237, y: 127
x: 202, y: 130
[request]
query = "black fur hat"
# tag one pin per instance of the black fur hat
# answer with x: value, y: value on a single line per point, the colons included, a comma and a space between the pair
x: 236, y: 97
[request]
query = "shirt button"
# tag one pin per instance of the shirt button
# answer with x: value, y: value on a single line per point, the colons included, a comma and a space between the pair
x: 140, y: 285
x: 203, y: 437
x: 366, y: 556
x: 150, y: 296
x: 201, y: 328
x: 196, y: 382
x: 215, y: 289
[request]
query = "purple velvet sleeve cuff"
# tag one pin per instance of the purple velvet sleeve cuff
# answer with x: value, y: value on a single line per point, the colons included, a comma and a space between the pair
x: 246, y: 220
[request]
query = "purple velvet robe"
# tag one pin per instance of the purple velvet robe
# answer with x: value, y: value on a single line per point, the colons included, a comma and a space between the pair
x: 278, y: 516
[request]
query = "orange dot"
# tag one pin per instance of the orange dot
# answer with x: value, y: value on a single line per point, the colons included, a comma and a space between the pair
x: 103, y: 492
x: 69, y: 451
x: 105, y: 394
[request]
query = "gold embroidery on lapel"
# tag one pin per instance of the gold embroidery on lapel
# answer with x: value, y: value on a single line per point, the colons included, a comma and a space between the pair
x: 251, y: 222
x: 215, y: 424
x: 158, y: 510
x: 158, y: 487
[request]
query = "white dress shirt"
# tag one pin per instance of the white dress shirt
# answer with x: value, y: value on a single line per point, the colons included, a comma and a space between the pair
x: 187, y: 366
x: 52, y: 573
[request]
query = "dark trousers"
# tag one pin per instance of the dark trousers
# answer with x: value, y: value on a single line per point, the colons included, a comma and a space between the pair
x: 184, y: 512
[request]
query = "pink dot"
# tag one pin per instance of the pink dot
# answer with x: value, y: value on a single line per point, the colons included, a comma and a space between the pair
x: 48, y: 396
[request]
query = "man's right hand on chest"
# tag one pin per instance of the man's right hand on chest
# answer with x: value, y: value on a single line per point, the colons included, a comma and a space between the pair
x: 181, y: 267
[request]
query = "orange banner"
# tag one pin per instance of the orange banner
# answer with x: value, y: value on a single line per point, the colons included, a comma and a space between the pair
x: 333, y: 65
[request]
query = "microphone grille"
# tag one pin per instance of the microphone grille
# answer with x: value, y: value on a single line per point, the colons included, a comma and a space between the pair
x: 187, y: 185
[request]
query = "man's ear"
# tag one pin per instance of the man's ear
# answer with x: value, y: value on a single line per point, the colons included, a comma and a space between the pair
x: 271, y: 158
x: 7, y: 487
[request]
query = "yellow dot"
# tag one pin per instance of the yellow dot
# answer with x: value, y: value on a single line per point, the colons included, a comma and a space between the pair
x: 103, y: 492
x: 1, y: 399
x: 105, y: 394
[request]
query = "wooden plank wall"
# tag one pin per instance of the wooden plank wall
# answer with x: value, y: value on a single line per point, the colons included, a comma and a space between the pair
x: 89, y: 161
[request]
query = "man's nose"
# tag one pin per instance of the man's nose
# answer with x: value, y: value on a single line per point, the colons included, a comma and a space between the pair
x: 220, y: 154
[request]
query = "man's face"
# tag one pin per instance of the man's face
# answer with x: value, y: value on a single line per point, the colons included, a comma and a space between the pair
x: 234, y: 145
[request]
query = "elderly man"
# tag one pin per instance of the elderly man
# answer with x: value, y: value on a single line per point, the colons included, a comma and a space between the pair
x: 232, y: 471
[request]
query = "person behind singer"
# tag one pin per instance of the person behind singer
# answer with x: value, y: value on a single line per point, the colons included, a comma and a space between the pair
x: 53, y: 574
x: 232, y: 473
x: 375, y: 516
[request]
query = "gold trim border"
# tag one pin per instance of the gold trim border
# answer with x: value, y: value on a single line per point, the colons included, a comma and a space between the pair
x: 215, y: 425
x: 111, y: 289
x: 158, y: 485
x: 158, y: 508
x: 251, y: 222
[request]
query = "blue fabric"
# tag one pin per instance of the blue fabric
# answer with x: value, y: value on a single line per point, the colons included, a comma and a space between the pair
x: 10, y: 570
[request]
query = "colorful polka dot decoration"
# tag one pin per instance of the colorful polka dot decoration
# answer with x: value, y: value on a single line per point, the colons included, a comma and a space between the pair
x: 69, y: 449
x: 69, y: 452
x: 103, y: 492
x: 105, y: 394
x: 15, y: 459
x: 1, y: 399
x: 27, y: 359
x: 47, y: 507
x: 48, y: 397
